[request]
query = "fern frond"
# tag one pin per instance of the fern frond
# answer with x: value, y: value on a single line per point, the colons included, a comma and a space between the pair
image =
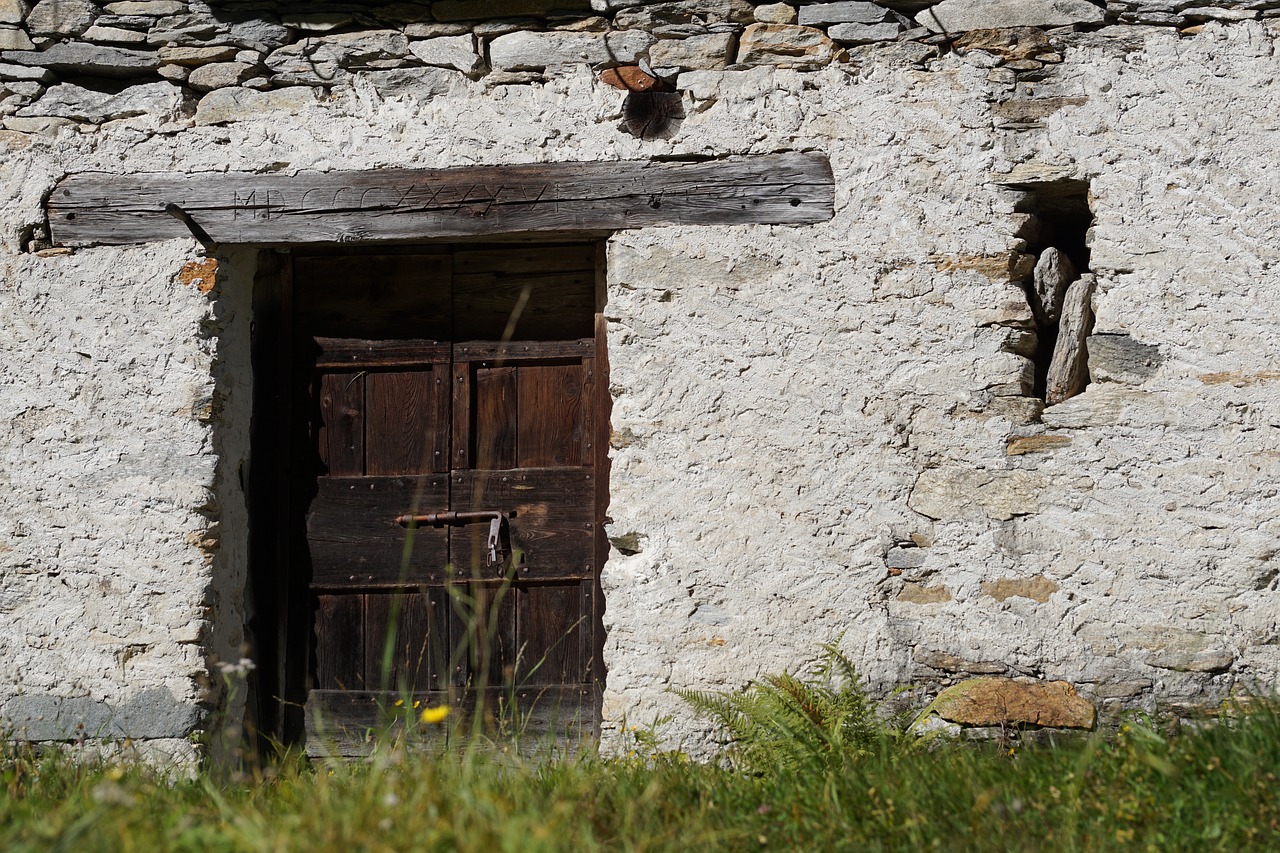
x: 785, y: 720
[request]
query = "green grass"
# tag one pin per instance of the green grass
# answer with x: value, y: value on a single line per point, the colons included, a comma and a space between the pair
x: 1215, y: 789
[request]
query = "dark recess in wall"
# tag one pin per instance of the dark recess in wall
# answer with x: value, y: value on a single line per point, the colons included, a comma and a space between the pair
x: 1061, y: 220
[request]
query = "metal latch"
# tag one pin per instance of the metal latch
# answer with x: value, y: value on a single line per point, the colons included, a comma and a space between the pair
x: 499, y: 541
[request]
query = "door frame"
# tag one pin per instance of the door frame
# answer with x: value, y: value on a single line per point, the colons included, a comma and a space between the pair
x: 279, y: 620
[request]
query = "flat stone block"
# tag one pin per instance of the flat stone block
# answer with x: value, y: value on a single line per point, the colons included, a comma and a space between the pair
x: 227, y: 105
x: 700, y: 53
x: 527, y: 51
x: 1003, y: 701
x: 156, y: 8
x: 153, y: 713
x: 13, y: 11
x: 88, y: 59
x: 114, y: 35
x: 955, y: 16
x: 464, y: 10
x: 851, y: 12
x: 963, y: 493
x: 197, y: 55
x: 160, y: 101
x: 14, y: 38
x: 785, y: 46
x: 219, y: 75
x: 915, y: 593
x: 864, y: 33
x: 456, y: 52
x: 1038, y: 588
x: 775, y: 13
x: 697, y: 13
x: 24, y: 72
x: 1119, y: 358
x: 62, y: 18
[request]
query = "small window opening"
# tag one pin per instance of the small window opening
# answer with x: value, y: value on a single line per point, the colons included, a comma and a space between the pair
x: 1060, y: 287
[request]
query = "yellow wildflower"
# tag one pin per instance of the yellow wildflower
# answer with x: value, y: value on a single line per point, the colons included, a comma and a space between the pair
x: 435, y: 715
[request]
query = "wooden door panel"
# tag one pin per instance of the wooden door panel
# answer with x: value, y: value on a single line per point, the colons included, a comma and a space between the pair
x: 414, y: 625
x: 340, y: 658
x: 553, y: 526
x: 552, y: 415
x: 355, y: 540
x: 526, y: 405
x: 359, y: 353
x: 340, y: 431
x: 406, y: 422
x: 495, y: 409
x: 483, y: 631
x: 552, y: 621
x: 404, y: 633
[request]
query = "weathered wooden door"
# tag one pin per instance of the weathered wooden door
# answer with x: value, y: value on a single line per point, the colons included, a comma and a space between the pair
x: 452, y: 487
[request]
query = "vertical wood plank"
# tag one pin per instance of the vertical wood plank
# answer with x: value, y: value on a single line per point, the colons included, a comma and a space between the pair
x: 550, y: 409
x: 494, y: 426
x: 409, y: 636
x: 551, y: 622
x: 460, y: 446
x: 461, y: 627
x: 439, y: 649
x: 341, y: 430
x: 587, y: 376
x: 496, y: 617
x: 405, y: 424
x: 483, y: 636
x: 340, y: 642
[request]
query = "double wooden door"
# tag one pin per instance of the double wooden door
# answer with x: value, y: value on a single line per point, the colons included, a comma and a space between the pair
x: 452, y: 486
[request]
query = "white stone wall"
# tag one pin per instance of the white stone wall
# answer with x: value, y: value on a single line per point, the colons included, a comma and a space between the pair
x: 806, y: 444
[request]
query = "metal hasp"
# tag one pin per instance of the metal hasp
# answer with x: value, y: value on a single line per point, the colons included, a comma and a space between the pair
x: 499, y: 544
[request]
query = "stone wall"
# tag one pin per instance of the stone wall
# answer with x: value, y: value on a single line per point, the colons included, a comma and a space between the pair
x: 819, y: 432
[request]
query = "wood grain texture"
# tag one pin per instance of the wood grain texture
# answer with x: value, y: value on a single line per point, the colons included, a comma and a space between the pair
x: 495, y: 424
x: 387, y: 204
x: 554, y: 525
x: 355, y: 542
x: 523, y: 258
x: 551, y: 415
x: 407, y: 422
x: 514, y: 352
x: 410, y: 626
x: 362, y: 354
x: 340, y: 432
x: 550, y: 621
x: 523, y: 306
x: 340, y: 654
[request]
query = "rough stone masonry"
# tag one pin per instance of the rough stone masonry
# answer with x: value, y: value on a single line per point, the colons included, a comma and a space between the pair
x: 819, y: 432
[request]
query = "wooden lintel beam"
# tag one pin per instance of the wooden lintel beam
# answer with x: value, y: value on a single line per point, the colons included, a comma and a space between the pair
x: 399, y: 204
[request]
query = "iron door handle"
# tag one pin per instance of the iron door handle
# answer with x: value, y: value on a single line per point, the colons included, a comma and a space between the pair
x: 499, y: 541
